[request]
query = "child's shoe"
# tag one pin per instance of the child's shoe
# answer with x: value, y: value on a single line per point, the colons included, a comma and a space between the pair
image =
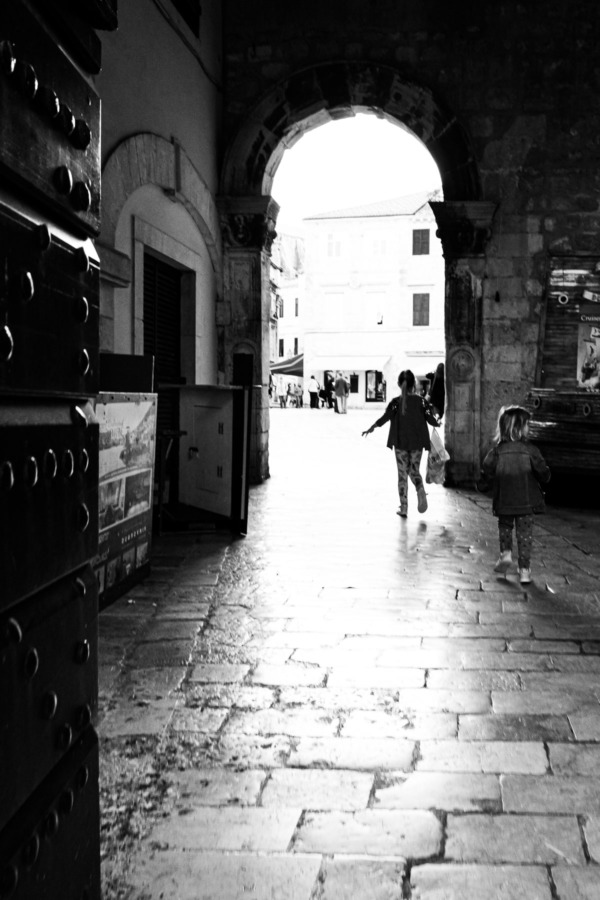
x: 421, y: 499
x: 402, y: 510
x: 504, y: 562
x: 525, y: 576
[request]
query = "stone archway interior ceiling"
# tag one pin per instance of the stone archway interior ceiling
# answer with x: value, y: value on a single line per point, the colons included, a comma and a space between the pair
x: 315, y: 96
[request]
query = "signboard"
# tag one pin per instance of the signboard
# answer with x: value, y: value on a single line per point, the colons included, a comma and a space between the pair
x: 126, y: 476
x: 588, y: 347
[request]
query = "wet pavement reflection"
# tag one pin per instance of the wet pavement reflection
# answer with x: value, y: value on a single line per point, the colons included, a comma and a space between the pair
x: 347, y: 704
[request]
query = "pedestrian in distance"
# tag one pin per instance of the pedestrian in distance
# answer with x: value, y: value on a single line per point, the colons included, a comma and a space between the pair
x: 341, y: 393
x: 313, y: 392
x: 437, y: 390
x: 282, y: 393
x: 408, y: 437
x: 330, y: 391
x: 517, y: 468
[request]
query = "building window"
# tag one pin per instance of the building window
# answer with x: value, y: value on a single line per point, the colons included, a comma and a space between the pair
x: 281, y: 347
x: 295, y: 346
x: 354, y: 383
x: 189, y: 10
x: 281, y: 308
x: 297, y: 304
x: 420, y: 241
x: 420, y: 309
x: 334, y: 245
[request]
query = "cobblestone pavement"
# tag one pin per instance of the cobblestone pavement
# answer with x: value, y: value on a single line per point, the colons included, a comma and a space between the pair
x: 346, y: 705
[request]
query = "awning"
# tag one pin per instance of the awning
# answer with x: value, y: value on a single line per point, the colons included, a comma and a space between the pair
x: 293, y: 365
x: 350, y: 363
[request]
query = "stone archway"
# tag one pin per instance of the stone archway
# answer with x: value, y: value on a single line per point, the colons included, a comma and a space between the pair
x: 150, y: 159
x: 306, y: 100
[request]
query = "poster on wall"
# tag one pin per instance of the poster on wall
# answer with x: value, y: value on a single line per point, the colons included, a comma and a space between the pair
x: 126, y: 478
x: 588, y: 347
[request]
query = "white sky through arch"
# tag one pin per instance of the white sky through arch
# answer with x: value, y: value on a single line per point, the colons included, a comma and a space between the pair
x: 350, y: 162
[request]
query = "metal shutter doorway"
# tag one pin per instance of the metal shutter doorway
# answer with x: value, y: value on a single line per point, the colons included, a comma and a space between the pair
x: 162, y: 340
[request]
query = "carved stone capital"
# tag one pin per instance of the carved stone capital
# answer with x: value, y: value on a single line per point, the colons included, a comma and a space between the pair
x: 248, y: 222
x: 464, y: 227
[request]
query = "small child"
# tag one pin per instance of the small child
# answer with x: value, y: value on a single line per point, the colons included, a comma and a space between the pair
x: 517, y: 467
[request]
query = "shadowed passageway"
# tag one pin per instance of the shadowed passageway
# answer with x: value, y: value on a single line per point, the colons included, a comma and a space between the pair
x: 347, y: 705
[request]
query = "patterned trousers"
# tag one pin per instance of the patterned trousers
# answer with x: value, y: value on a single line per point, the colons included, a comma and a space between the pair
x: 408, y: 462
x: 524, y: 532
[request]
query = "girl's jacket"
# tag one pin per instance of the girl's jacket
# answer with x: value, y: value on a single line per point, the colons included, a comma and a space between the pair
x: 408, y: 431
x: 517, y: 468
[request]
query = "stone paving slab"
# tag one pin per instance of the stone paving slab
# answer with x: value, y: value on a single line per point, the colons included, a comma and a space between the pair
x: 483, y: 756
x: 543, y: 702
x: 295, y: 639
x: 296, y: 722
x: 161, y: 654
x: 440, y: 791
x: 430, y: 699
x: 244, y: 828
x: 514, y: 839
x: 317, y: 789
x: 481, y: 882
x: 515, y: 728
x: 575, y: 759
x: 218, y: 673
x: 406, y: 833
x: 591, y: 830
x: 239, y: 750
x: 550, y: 794
x: 206, y: 875
x: 289, y: 673
x: 134, y: 719
x: 203, y: 721
x: 333, y: 698
x: 375, y: 677
x: 228, y: 695
x: 371, y: 754
x: 563, y: 644
x: 577, y: 884
x: 216, y: 787
x: 577, y: 664
x: 361, y: 723
x: 586, y: 723
x: 564, y: 681
x: 361, y: 879
x: 475, y: 680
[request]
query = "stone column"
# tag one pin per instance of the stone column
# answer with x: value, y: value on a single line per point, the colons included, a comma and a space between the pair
x: 248, y: 227
x: 464, y: 229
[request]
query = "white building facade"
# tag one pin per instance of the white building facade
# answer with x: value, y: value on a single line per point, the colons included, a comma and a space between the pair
x: 374, y: 295
x: 287, y: 258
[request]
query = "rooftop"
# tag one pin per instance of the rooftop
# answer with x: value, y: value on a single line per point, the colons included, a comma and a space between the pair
x: 395, y: 206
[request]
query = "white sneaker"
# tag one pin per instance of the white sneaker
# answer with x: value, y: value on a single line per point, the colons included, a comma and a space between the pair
x: 504, y: 562
x: 525, y: 576
x: 421, y: 500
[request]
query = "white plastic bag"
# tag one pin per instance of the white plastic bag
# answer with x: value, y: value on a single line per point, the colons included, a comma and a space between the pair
x: 437, y: 446
x: 436, y: 469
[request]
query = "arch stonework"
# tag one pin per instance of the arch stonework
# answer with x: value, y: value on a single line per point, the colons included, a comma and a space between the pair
x: 148, y: 158
x: 306, y: 100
